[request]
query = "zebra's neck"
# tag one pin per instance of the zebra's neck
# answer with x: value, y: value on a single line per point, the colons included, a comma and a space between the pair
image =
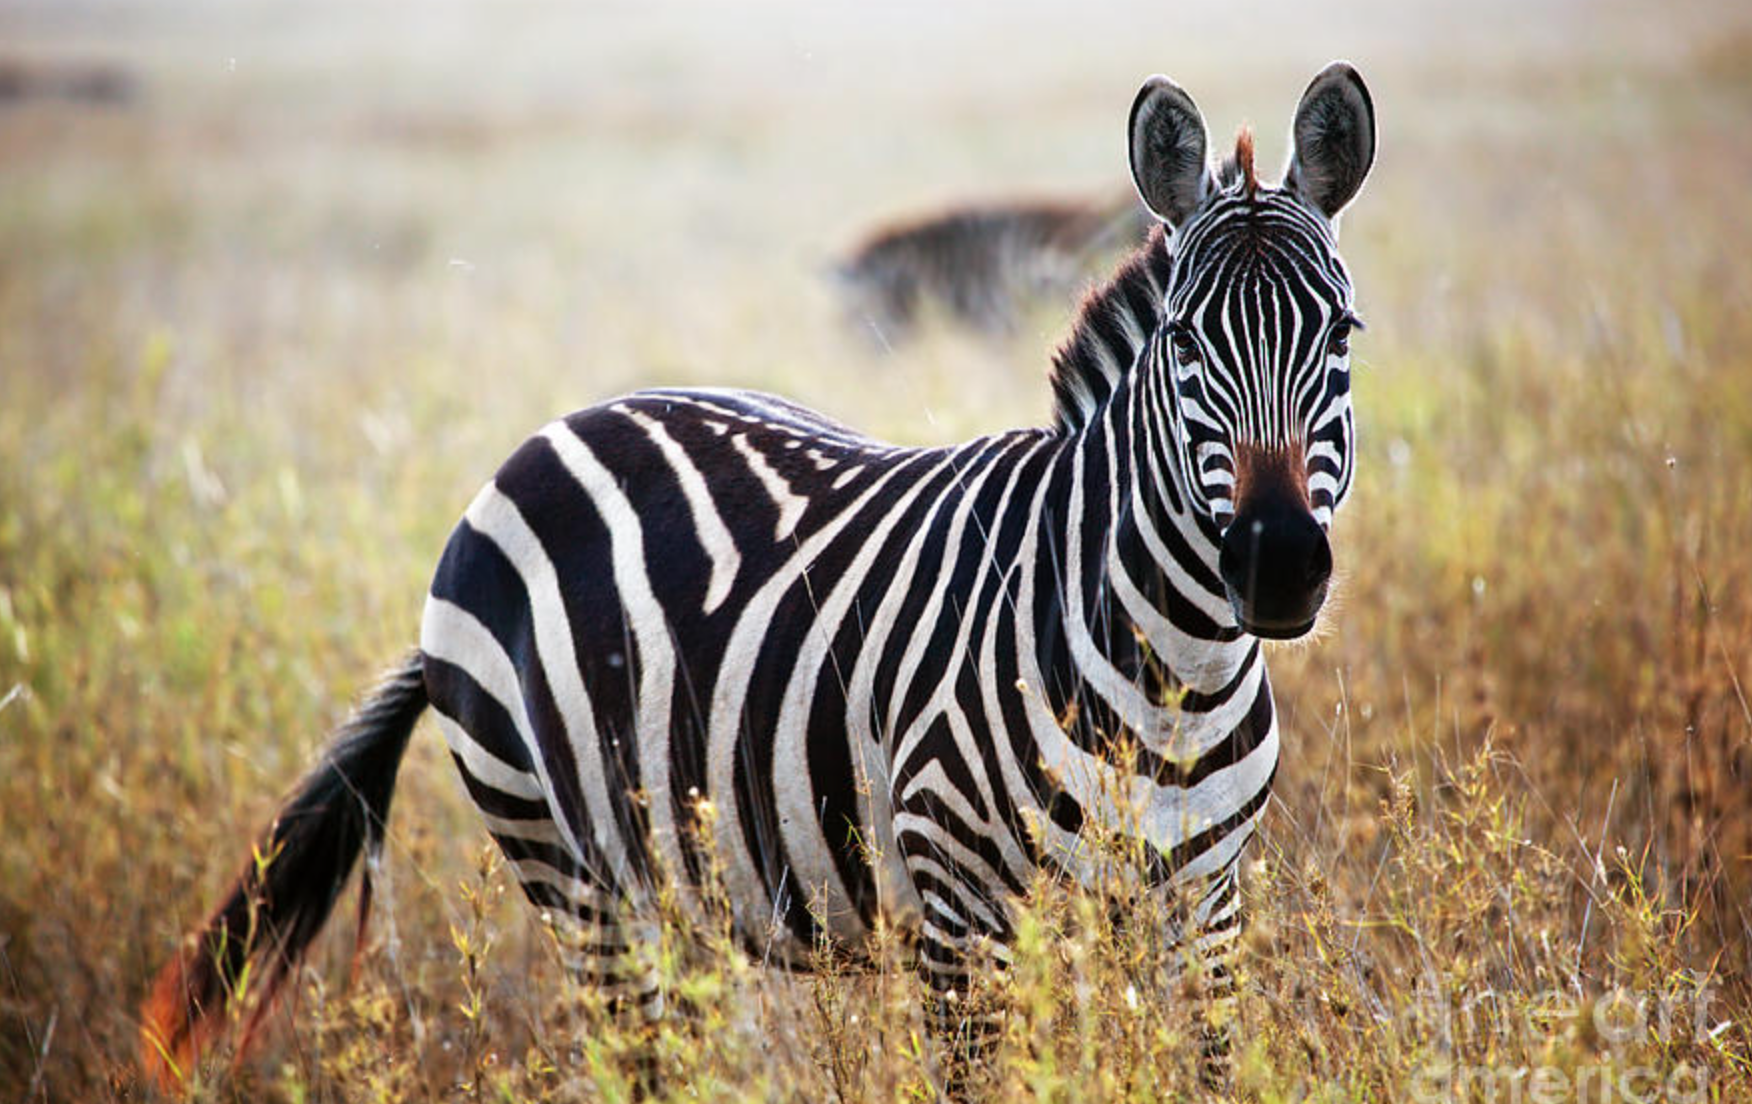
x: 1155, y: 718
x: 1135, y: 565
x: 1115, y: 409
x: 1131, y: 630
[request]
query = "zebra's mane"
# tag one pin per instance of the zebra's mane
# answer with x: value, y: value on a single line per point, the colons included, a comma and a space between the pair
x: 1114, y: 322
x: 1237, y: 171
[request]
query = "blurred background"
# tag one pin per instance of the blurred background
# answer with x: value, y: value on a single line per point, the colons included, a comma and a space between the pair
x: 282, y: 283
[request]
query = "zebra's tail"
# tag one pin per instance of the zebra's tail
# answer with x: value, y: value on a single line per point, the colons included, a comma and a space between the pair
x: 289, y: 885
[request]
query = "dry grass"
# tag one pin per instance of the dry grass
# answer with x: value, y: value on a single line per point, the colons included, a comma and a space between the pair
x: 265, y: 329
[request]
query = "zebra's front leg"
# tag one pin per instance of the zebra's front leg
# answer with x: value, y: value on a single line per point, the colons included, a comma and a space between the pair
x: 1212, y: 943
x: 964, y: 928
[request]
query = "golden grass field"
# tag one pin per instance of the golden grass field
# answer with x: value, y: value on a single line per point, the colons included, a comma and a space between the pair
x: 266, y: 325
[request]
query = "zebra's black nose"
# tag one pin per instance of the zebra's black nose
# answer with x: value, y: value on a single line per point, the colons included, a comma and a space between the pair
x: 1275, y: 563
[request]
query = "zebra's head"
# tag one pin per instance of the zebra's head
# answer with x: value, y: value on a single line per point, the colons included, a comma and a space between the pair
x: 1254, y: 346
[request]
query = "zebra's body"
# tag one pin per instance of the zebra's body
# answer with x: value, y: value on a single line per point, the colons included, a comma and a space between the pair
x: 904, y: 679
x: 859, y: 654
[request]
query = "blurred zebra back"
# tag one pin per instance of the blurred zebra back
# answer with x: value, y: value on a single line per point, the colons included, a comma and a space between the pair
x: 984, y: 265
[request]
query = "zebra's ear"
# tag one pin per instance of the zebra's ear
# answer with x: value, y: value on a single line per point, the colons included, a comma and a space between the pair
x: 1168, y: 146
x: 1332, y: 139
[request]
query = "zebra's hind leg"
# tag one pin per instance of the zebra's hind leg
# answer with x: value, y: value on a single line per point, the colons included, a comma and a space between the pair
x: 601, y: 953
x: 596, y: 932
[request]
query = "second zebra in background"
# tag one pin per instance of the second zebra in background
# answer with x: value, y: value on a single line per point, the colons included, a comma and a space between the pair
x: 983, y: 265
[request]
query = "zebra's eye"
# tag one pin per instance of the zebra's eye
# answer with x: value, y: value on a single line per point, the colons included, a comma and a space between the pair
x: 1338, y: 341
x: 1185, y: 345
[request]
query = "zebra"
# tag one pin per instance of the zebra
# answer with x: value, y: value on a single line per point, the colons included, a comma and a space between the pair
x: 983, y: 264
x: 905, y: 679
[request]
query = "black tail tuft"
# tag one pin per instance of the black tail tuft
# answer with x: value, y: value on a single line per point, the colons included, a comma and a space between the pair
x: 287, y: 890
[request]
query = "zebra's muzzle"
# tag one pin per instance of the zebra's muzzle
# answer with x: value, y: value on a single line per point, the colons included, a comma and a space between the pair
x: 1276, y: 564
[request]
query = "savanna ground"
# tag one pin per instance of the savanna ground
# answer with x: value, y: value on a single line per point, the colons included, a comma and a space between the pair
x: 271, y: 315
